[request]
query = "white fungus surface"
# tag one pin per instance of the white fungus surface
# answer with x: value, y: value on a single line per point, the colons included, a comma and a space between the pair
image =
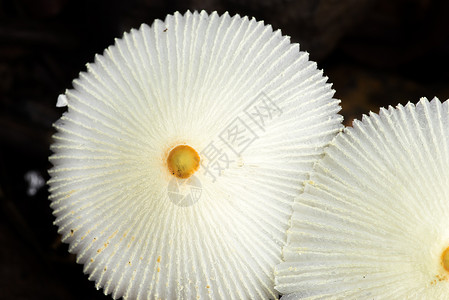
x: 373, y: 221
x: 210, y: 82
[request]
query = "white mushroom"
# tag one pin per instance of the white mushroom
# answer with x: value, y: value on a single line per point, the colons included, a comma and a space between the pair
x: 180, y: 155
x: 373, y: 221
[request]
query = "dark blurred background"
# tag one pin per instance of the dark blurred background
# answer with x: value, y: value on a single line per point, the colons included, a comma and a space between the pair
x: 375, y: 52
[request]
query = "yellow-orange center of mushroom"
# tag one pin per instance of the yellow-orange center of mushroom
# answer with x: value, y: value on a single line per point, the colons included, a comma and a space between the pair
x: 183, y: 161
x: 445, y: 259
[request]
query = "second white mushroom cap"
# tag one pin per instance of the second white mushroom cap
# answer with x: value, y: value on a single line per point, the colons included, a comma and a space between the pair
x: 373, y: 221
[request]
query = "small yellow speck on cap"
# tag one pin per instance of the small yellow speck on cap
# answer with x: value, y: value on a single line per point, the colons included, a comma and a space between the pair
x: 445, y: 259
x: 183, y: 161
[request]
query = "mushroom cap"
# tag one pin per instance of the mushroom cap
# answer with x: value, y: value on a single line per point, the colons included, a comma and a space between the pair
x: 253, y: 107
x: 373, y: 221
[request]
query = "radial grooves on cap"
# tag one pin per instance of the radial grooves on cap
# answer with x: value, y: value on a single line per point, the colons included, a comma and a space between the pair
x: 373, y: 215
x: 186, y: 78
